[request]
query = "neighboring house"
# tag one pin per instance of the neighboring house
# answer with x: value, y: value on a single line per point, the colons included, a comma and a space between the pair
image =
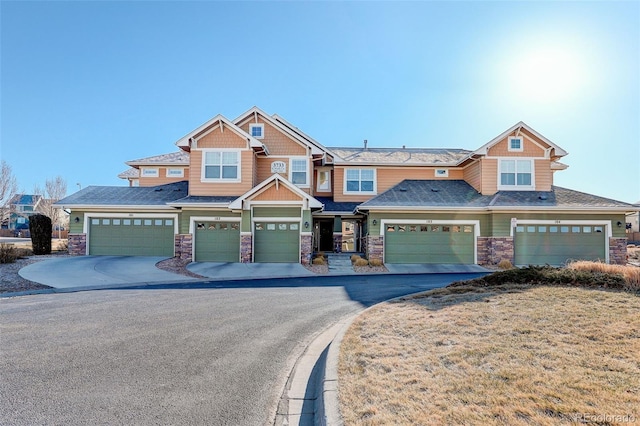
x: 633, y: 221
x: 257, y: 189
x: 20, y: 208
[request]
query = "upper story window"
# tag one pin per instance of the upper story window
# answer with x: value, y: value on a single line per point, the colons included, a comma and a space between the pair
x: 516, y: 174
x: 516, y: 143
x: 324, y: 181
x: 175, y: 172
x: 150, y: 172
x: 256, y: 130
x: 360, y: 181
x: 221, y: 166
x: 299, y: 171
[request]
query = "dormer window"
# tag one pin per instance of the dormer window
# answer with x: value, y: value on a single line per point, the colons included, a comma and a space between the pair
x: 516, y: 175
x: 256, y: 130
x: 515, y: 144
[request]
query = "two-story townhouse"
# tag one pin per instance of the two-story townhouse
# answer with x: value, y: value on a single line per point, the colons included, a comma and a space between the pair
x: 258, y: 189
x: 20, y: 208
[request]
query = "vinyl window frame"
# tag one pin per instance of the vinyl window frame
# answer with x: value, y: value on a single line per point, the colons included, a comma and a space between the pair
x: 510, y: 147
x: 360, y: 180
x: 256, y: 126
x: 221, y: 164
x: 292, y: 160
x: 517, y: 161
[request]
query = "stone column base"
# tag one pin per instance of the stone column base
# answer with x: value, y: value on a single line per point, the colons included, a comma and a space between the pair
x: 77, y: 244
x: 183, y: 246
x: 246, y: 248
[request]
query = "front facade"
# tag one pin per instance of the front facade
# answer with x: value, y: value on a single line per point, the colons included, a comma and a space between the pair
x: 257, y: 189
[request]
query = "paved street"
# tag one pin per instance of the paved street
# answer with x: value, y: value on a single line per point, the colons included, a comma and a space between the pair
x: 190, y: 353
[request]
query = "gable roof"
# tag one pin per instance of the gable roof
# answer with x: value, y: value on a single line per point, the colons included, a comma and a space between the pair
x: 519, y: 125
x: 457, y: 194
x: 130, y: 173
x: 285, y: 127
x: 25, y: 199
x: 400, y: 156
x: 131, y: 197
x: 185, y: 141
x: 275, y: 179
x: 434, y: 194
x: 173, y: 158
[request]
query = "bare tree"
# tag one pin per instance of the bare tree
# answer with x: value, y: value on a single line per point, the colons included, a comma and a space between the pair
x: 8, y: 189
x: 54, y: 190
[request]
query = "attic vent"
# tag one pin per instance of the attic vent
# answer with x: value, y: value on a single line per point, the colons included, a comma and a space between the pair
x: 435, y: 190
x: 402, y: 189
x: 177, y: 189
x: 542, y: 196
x: 158, y: 189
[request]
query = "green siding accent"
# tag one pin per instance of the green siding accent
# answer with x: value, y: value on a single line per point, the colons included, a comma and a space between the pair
x: 558, y: 244
x: 217, y: 242
x: 429, y: 244
x: 185, y: 218
x: 501, y: 222
x: 76, y: 228
x: 337, y: 224
x: 277, y: 242
x: 306, y: 217
x: 246, y: 221
x: 139, y: 236
x: 276, y: 211
x: 485, y: 219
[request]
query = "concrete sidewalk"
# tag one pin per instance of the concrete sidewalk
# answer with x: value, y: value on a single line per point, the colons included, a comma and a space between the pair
x: 233, y: 271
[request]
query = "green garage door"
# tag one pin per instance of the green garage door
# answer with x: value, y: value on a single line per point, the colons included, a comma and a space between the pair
x: 131, y: 237
x: 557, y: 244
x: 277, y: 242
x: 429, y: 244
x: 217, y: 242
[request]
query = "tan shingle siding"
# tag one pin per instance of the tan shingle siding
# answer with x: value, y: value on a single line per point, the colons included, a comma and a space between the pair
x: 197, y: 187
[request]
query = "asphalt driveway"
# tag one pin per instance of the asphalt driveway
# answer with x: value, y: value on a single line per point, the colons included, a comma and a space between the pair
x: 209, y: 353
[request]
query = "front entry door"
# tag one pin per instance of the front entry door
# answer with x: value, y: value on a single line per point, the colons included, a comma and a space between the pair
x: 326, y: 235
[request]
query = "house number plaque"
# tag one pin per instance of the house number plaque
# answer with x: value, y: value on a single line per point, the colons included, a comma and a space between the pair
x: 278, y: 167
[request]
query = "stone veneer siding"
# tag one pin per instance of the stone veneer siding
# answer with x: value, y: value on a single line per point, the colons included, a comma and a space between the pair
x: 77, y: 244
x: 492, y: 250
x: 246, y: 246
x: 306, y: 249
x: 375, y: 247
x: 618, y: 251
x: 183, y: 246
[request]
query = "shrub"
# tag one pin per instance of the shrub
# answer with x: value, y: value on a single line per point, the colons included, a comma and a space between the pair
x: 355, y: 257
x: 375, y: 262
x: 320, y: 254
x: 631, y: 274
x: 318, y: 261
x: 533, y: 275
x: 40, y: 228
x: 8, y: 253
x: 505, y: 264
x: 361, y: 262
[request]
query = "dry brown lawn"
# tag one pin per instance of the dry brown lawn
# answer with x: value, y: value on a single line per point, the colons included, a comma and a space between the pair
x: 508, y: 356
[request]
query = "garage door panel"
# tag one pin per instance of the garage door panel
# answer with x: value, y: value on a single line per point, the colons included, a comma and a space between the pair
x: 429, y: 244
x: 217, y: 242
x: 131, y: 237
x: 277, y: 242
x: 556, y: 245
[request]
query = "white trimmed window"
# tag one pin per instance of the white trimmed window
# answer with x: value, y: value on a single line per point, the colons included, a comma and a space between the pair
x: 175, y: 172
x: 256, y: 130
x: 221, y: 166
x: 516, y: 174
x: 516, y: 143
x: 299, y: 171
x: 324, y: 181
x: 150, y: 172
x: 360, y: 181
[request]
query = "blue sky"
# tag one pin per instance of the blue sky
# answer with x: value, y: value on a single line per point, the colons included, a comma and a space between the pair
x: 86, y: 86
